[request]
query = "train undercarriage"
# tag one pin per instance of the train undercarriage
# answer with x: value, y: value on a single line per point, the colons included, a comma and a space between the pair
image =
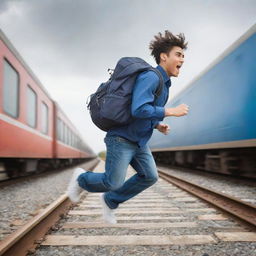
x: 17, y: 167
x: 236, y: 162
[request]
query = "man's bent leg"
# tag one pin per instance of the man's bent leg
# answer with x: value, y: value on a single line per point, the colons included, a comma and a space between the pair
x: 145, y: 166
x: 117, y: 162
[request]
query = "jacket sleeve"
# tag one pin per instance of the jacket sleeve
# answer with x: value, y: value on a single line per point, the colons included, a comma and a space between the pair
x: 155, y: 123
x: 143, y: 97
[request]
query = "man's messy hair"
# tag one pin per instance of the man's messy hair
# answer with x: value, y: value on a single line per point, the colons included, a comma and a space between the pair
x: 166, y: 43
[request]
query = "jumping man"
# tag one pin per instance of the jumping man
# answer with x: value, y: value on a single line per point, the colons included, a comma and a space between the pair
x: 128, y: 144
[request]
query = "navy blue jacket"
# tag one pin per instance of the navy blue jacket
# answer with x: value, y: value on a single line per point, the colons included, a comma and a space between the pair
x: 147, y: 114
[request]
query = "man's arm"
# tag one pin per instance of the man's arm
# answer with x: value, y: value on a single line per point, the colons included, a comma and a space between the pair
x: 143, y: 97
x: 143, y: 100
x: 155, y: 124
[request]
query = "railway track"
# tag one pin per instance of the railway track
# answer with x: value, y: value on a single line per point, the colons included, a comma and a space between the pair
x: 244, y: 211
x: 163, y: 216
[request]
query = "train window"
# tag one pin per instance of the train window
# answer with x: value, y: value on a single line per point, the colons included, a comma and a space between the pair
x: 62, y: 131
x: 58, y: 129
x: 65, y: 133
x: 69, y: 136
x: 75, y: 142
x: 11, y: 90
x: 72, y: 139
x: 44, y: 118
x: 31, y: 107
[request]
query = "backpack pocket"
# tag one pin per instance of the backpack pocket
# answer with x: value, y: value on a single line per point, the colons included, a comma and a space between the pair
x: 116, y: 108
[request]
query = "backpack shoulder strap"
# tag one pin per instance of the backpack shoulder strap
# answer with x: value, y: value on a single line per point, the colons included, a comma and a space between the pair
x: 161, y: 83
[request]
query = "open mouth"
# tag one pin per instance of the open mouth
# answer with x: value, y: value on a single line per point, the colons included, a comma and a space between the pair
x: 178, y: 68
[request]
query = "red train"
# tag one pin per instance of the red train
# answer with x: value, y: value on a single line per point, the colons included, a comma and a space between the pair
x: 34, y: 132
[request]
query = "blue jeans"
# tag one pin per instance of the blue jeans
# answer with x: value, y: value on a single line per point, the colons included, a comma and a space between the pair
x: 121, y: 153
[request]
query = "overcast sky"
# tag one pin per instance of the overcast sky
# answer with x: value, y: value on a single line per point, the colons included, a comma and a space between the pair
x: 70, y: 44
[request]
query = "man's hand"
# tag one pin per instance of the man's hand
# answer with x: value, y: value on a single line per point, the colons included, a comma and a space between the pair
x: 164, y: 128
x: 180, y: 110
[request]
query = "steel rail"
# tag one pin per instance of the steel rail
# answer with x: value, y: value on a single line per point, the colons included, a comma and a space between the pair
x: 26, y: 238
x: 234, y: 206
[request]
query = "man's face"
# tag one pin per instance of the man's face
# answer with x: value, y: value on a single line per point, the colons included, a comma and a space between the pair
x: 173, y: 61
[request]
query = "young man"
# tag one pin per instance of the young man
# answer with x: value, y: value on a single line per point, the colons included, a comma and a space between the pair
x: 128, y: 144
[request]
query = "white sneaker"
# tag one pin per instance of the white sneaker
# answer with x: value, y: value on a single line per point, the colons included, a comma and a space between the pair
x: 74, y: 190
x: 107, y: 213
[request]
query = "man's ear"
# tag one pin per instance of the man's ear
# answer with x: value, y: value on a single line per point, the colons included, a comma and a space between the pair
x: 163, y: 56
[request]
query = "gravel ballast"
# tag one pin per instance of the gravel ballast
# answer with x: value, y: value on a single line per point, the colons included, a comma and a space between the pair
x: 240, y: 189
x: 23, y: 200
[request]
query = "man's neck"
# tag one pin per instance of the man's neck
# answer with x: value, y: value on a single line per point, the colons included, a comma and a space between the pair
x: 165, y: 69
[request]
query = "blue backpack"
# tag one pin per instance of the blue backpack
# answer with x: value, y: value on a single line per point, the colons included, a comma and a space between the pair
x: 110, y: 105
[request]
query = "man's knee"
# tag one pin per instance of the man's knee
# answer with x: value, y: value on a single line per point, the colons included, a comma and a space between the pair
x: 153, y: 178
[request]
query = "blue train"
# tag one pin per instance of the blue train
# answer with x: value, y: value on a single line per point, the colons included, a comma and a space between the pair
x: 219, y: 132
